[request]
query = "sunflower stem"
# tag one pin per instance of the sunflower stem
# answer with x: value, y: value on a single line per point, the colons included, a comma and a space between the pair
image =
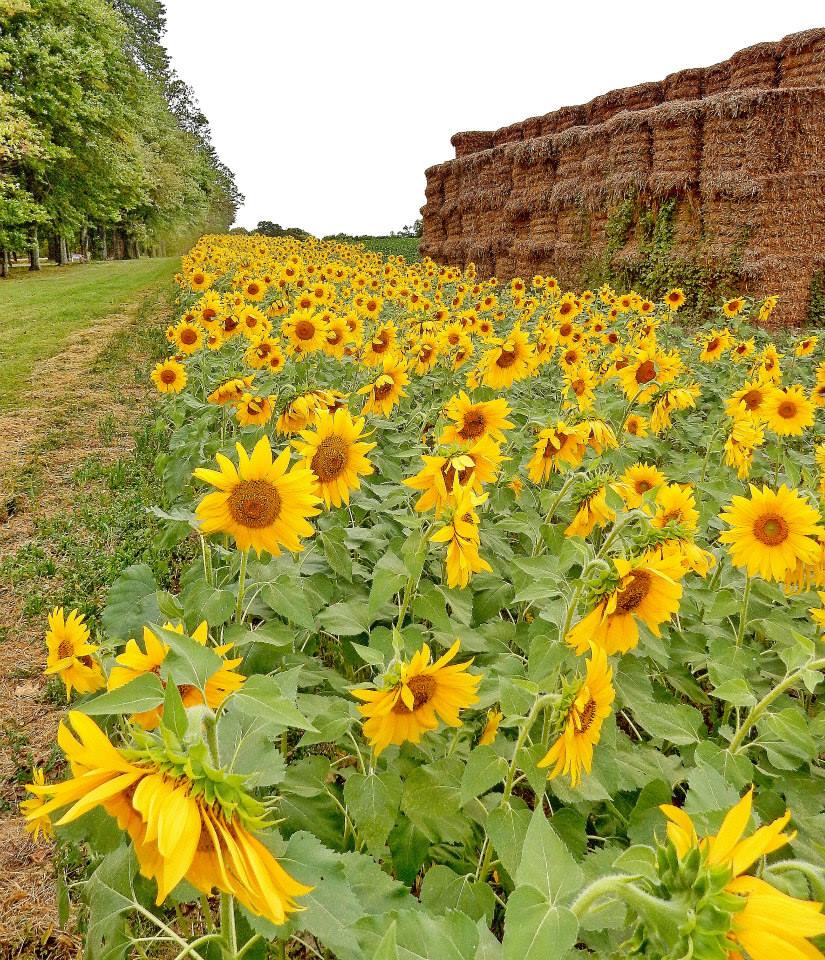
x: 756, y: 712
x: 230, y: 937
x: 540, y: 543
x: 743, y: 617
x: 241, y: 587
x: 706, y: 461
x: 206, y: 554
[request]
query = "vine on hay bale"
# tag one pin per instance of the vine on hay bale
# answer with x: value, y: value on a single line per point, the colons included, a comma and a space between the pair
x: 653, y: 264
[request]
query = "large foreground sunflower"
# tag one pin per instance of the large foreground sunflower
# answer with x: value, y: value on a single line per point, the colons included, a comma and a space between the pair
x: 414, y: 695
x: 186, y: 820
x: 762, y: 923
x: 582, y: 725
x: 471, y: 421
x: 336, y: 455
x: 771, y: 532
x: 259, y: 503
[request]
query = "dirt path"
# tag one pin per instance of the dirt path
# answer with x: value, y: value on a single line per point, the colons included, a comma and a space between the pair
x: 82, y: 403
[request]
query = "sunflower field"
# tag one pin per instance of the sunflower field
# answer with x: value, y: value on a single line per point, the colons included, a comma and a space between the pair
x: 499, y: 640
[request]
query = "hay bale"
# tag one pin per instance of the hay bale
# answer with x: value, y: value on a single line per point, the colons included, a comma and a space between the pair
x: 512, y: 134
x: 472, y: 141
x: 756, y: 66
x: 568, y: 117
x: 687, y: 222
x: 676, y: 149
x: 683, y: 85
x: 802, y: 59
x: 630, y: 155
x: 716, y: 79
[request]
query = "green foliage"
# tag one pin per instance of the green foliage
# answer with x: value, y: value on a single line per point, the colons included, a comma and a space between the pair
x: 816, y: 303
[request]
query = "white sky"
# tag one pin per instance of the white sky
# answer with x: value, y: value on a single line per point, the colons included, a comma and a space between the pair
x: 329, y: 112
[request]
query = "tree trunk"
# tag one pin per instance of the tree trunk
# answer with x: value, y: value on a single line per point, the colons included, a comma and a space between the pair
x: 62, y: 251
x: 104, y: 250
x: 84, y: 244
x: 5, y: 266
x: 34, y: 252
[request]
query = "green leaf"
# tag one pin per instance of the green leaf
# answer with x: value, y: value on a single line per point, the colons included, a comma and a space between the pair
x: 388, y: 947
x: 675, y: 722
x: 546, y: 863
x: 638, y: 860
x: 484, y: 769
x: 142, y: 693
x: 389, y: 577
x: 263, y: 697
x: 174, y: 712
x: 373, y: 803
x: 443, y: 889
x: 336, y: 552
x: 507, y: 827
x: 535, y: 929
x: 286, y: 597
x: 202, y: 601
x: 187, y: 662
x: 348, y: 619
x: 432, y: 800
x: 132, y: 602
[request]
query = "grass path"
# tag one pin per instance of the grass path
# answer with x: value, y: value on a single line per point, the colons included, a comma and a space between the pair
x: 80, y: 463
x: 38, y: 312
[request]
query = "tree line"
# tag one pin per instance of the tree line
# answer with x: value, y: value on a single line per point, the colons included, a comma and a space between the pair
x: 103, y: 148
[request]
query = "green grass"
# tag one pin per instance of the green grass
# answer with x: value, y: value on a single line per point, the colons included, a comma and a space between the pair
x: 406, y: 247
x: 39, y: 311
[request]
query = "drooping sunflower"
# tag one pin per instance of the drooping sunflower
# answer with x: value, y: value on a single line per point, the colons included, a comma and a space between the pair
x: 675, y: 503
x: 474, y: 420
x: 387, y: 388
x: 414, y: 696
x: 380, y: 345
x: 253, y: 411
x: 38, y: 823
x: 298, y: 414
x: 260, y: 503
x: 771, y: 532
x: 806, y: 346
x: 70, y: 654
x: 490, y: 731
x: 461, y: 535
x: 230, y: 391
x: 767, y: 923
x: 649, y: 589
x: 582, y: 725
x: 336, y: 454
x: 473, y: 467
x: 134, y: 662
x: 563, y: 444
x: 636, y: 425
x: 592, y: 511
x: 788, y: 411
x: 169, y: 376
x: 186, y: 820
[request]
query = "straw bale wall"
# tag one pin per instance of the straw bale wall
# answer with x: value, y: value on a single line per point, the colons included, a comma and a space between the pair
x: 735, y: 153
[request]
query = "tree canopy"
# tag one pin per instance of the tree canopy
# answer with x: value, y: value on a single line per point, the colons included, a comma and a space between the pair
x: 98, y: 132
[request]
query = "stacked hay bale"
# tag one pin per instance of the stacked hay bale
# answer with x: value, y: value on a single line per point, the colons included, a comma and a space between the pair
x: 737, y: 150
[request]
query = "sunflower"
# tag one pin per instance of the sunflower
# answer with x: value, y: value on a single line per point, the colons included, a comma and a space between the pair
x: 336, y: 455
x: 259, y: 503
x: 675, y: 298
x: 763, y: 923
x: 169, y: 376
x: 675, y: 503
x: 461, y: 535
x: 305, y: 331
x: 598, y: 435
x: 751, y: 397
x: 806, y: 346
x: 473, y: 467
x: 37, y: 823
x: 70, y: 655
x: 253, y: 411
x: 649, y: 369
x: 733, y: 307
x: 714, y: 345
x: 635, y: 482
x: 338, y: 337
x: 200, y: 280
x: 580, y: 381
x: 387, y: 388
x: 562, y: 444
x: 414, y: 696
x: 188, y: 337
x: 209, y: 840
x: 134, y: 662
x: 255, y: 289
x: 592, y: 511
x: 298, y: 414
x: 471, y: 421
x: 649, y: 589
x: 788, y: 412
x: 488, y: 734
x: 511, y: 361
x: 770, y: 367
x: 636, y: 426
x: 582, y: 725
x: 771, y: 532
x: 381, y: 345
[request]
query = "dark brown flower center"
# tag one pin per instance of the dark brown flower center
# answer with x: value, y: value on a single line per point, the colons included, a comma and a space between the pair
x: 168, y: 376
x: 330, y: 458
x: 632, y: 594
x: 587, y: 716
x: 506, y: 358
x: 770, y: 529
x: 189, y: 336
x: 423, y: 689
x: 646, y: 372
x: 66, y: 649
x: 255, y: 504
x: 753, y: 399
x: 304, y: 330
x: 786, y: 410
x: 474, y: 424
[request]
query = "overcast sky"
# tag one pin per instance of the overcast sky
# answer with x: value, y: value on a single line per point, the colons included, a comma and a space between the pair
x: 329, y: 111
